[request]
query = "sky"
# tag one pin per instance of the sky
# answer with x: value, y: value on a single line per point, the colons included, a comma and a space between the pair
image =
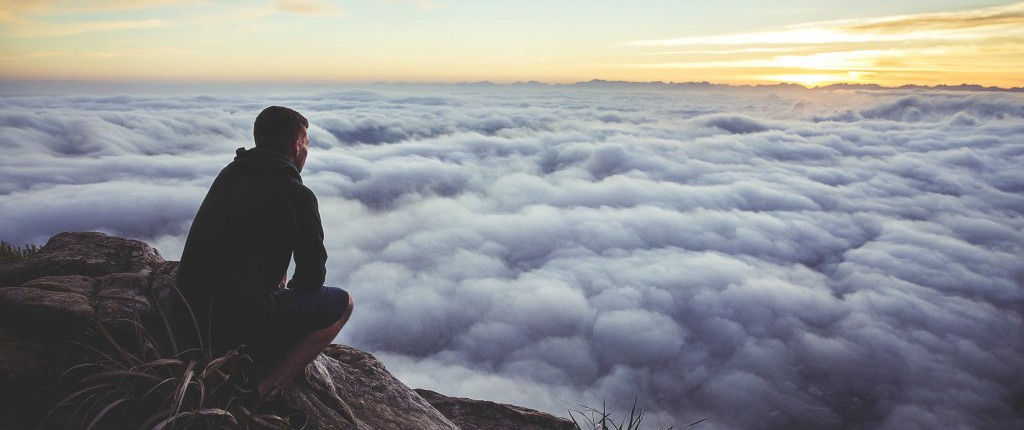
x: 810, y: 42
x: 776, y: 258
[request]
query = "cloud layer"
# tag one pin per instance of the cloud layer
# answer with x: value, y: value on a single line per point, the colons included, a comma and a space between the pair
x: 792, y: 260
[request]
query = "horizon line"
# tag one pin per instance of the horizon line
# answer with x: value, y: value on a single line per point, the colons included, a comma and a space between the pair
x: 533, y: 83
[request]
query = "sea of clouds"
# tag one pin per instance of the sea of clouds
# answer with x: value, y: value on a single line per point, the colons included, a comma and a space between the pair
x: 771, y: 259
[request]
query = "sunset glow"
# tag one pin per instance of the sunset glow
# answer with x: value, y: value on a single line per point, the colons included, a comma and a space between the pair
x: 810, y: 43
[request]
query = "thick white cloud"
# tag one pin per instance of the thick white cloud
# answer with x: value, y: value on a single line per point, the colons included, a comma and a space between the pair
x: 792, y: 260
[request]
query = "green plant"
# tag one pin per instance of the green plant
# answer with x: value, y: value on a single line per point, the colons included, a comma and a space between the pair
x: 147, y: 383
x: 10, y: 253
x: 594, y: 419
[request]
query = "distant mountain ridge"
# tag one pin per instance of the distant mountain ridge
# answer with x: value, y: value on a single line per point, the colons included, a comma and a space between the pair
x: 705, y: 85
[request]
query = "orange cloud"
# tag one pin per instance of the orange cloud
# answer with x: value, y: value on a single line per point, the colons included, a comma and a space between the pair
x: 974, y: 45
x: 1001, y: 21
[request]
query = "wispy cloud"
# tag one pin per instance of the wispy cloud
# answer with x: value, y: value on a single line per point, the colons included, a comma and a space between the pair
x: 997, y: 21
x: 234, y: 16
x: 726, y: 51
x: 43, y: 54
x: 310, y: 7
x: 100, y: 55
x: 71, y: 29
x: 842, y: 60
x: 13, y: 10
x: 1003, y: 16
x: 423, y: 4
x: 944, y: 46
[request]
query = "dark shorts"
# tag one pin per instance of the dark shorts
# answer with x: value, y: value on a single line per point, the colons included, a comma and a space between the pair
x: 295, y: 314
x: 310, y: 310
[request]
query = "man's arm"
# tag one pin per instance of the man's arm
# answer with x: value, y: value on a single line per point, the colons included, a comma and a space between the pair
x: 310, y: 254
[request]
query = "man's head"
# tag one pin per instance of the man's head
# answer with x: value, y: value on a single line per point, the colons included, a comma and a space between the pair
x: 283, y: 130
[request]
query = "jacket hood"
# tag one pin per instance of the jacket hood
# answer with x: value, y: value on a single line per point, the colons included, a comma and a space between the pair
x: 259, y: 161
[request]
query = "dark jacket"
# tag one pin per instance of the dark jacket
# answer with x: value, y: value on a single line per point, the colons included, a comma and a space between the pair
x: 256, y: 216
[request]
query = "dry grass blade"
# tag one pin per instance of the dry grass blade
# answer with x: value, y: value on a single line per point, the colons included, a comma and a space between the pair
x: 216, y: 363
x: 72, y: 369
x: 179, y: 395
x: 139, y: 338
x: 67, y: 399
x: 103, y: 412
x: 595, y: 419
x: 589, y: 416
x: 172, y: 419
x: 167, y: 325
x: 195, y: 323
x: 151, y: 419
x: 128, y: 357
x: 205, y: 413
x: 158, y: 385
x: 574, y: 422
x: 161, y: 362
x: 132, y: 380
x: 632, y: 415
x: 109, y: 358
x: 120, y: 374
x: 202, y: 392
x: 91, y: 402
x: 694, y: 423
x: 218, y: 413
x: 270, y: 421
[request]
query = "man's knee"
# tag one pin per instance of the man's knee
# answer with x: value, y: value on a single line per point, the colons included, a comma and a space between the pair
x: 348, y: 310
x: 344, y: 316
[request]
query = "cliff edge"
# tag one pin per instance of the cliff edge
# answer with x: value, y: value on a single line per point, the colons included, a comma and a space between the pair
x: 56, y: 297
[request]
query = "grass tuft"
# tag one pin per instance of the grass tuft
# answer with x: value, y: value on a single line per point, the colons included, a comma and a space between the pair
x: 142, y: 383
x: 589, y: 418
x: 10, y: 253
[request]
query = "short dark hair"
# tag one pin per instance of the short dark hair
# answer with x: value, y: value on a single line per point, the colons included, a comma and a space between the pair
x: 277, y: 128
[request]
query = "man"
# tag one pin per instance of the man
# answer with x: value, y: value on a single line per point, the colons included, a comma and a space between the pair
x: 256, y: 217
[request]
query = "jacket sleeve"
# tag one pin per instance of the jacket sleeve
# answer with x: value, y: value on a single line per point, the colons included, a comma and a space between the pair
x: 310, y: 254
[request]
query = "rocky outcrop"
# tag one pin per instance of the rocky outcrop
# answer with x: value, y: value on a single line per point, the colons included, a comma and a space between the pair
x: 84, y: 254
x: 349, y: 386
x: 56, y: 297
x: 77, y: 279
x: 470, y: 414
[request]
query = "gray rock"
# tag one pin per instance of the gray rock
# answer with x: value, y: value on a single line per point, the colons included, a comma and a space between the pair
x: 470, y: 414
x: 123, y: 295
x: 377, y: 399
x: 87, y: 254
x: 43, y: 309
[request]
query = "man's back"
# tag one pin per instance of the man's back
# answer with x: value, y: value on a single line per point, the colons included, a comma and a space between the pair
x: 256, y: 217
x: 256, y: 214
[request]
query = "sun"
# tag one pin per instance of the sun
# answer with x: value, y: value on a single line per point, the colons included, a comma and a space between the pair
x: 811, y: 80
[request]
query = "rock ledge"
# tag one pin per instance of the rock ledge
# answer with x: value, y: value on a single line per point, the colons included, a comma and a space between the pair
x: 77, y: 279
